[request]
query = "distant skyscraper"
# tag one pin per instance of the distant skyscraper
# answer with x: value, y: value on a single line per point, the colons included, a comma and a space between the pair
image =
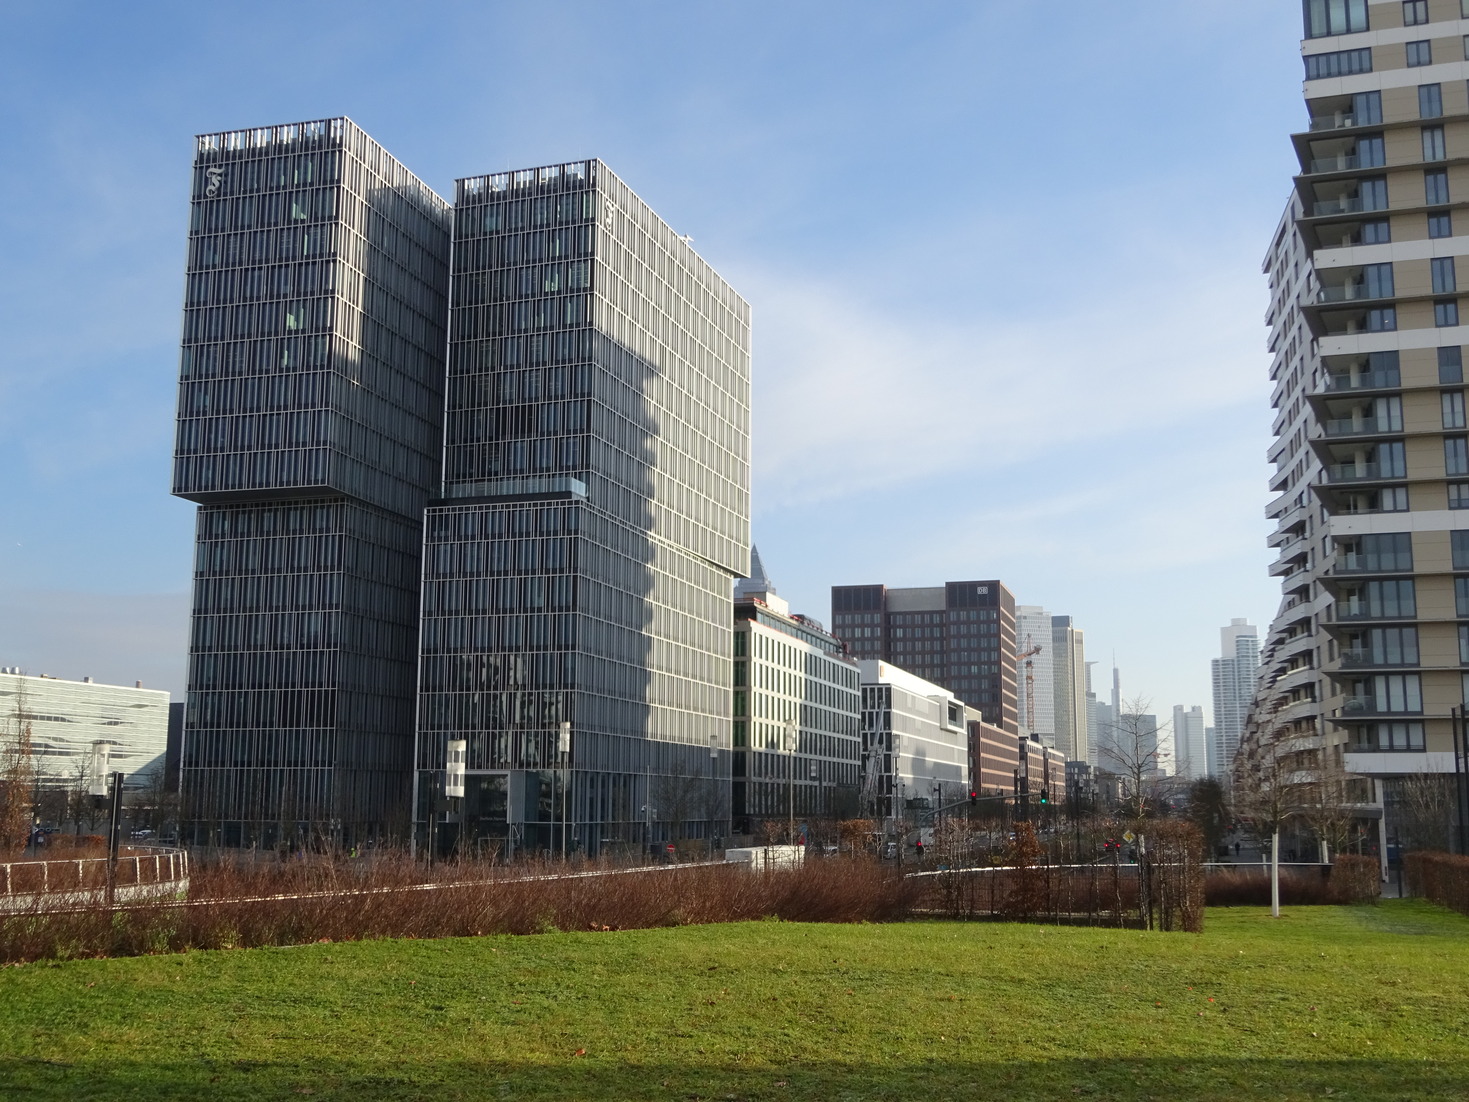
x: 579, y: 565
x: 1035, y: 682
x: 960, y: 635
x: 1069, y: 677
x: 310, y: 402
x: 1234, y: 685
x: 1190, y: 753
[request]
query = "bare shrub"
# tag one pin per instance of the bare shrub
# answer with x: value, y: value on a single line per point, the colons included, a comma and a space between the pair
x: 1441, y: 878
x: 1352, y: 879
x: 239, y: 904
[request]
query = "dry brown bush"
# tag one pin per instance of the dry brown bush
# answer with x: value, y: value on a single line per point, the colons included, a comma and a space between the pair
x: 242, y: 905
x: 1441, y: 878
x: 1352, y: 879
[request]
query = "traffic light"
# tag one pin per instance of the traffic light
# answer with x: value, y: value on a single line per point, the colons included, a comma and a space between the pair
x: 973, y: 798
x: 1045, y: 796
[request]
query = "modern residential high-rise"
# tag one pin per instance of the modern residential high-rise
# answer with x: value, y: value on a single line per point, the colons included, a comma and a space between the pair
x: 309, y: 433
x: 960, y: 635
x: 1035, y: 683
x: 1367, y: 654
x: 1068, y: 672
x: 1234, y: 686
x: 579, y: 564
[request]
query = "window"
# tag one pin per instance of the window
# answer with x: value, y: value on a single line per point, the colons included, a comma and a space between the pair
x: 1377, y: 280
x: 1450, y: 365
x: 1433, y: 144
x: 1446, y: 313
x: 1392, y: 458
x: 1384, y: 319
x: 1440, y: 225
x: 1459, y: 495
x: 1391, y: 736
x: 1393, y: 646
x: 1340, y: 64
x: 1430, y: 101
x: 1397, y: 692
x: 1459, y: 545
x: 1384, y: 551
x: 1461, y: 596
x: 1373, y: 193
x: 1366, y: 109
x: 1326, y: 17
x: 1466, y: 42
x: 1436, y: 187
x: 1455, y: 455
x: 1415, y: 12
x: 1420, y: 53
x: 1376, y: 233
x: 1464, y: 644
x: 1444, y: 280
x: 1453, y: 409
x: 1371, y: 152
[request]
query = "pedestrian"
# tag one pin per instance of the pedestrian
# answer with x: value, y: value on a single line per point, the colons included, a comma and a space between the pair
x: 1236, y: 847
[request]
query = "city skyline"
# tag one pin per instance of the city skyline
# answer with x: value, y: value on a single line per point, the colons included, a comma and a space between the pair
x: 861, y: 344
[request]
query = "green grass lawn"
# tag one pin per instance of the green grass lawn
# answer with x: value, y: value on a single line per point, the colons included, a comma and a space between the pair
x: 1347, y: 1003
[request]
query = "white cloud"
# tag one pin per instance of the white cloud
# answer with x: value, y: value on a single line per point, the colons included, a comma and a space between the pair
x: 854, y: 398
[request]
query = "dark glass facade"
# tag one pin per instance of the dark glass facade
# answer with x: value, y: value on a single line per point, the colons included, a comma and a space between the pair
x: 309, y: 432
x: 594, y: 512
x: 960, y: 636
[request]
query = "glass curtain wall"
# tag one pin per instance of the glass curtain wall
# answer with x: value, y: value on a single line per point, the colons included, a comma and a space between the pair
x: 309, y: 431
x: 595, y: 511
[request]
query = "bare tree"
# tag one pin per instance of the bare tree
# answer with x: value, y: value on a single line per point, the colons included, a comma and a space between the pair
x: 17, y: 774
x: 1272, y: 770
x: 1325, y: 797
x: 1425, y: 810
x: 1134, y: 752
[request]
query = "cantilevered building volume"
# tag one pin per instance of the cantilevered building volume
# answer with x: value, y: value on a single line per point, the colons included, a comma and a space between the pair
x: 595, y: 513
x: 1367, y: 653
x: 530, y: 547
x: 310, y: 402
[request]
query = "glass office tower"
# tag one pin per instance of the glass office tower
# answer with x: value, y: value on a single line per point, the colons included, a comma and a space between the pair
x: 309, y: 432
x: 595, y: 512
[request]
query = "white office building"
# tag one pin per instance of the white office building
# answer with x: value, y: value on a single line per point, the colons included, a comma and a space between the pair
x: 65, y: 719
x: 915, y: 743
x: 1035, y: 672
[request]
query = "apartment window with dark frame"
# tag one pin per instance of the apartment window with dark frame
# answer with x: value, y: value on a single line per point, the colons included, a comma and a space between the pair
x: 1382, y: 319
x: 1440, y: 224
x: 1436, y: 187
x: 1419, y: 53
x: 1451, y: 364
x: 1458, y: 495
x: 1446, y: 313
x: 1376, y: 233
x: 1455, y: 455
x: 1452, y: 404
x: 1415, y: 12
x: 1328, y: 17
x: 1430, y: 101
x: 1445, y: 280
x: 1433, y: 144
x: 1342, y: 63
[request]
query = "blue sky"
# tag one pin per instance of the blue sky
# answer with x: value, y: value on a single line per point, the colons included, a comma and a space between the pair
x: 1003, y: 258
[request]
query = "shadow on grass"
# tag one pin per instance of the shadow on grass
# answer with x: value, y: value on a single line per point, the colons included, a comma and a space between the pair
x: 1207, y: 1080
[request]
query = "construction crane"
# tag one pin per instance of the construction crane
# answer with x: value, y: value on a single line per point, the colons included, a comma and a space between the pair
x: 1027, y: 655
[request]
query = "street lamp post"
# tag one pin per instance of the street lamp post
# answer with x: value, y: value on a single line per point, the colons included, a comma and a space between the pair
x: 713, y: 789
x: 563, y: 747
x: 792, y: 737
